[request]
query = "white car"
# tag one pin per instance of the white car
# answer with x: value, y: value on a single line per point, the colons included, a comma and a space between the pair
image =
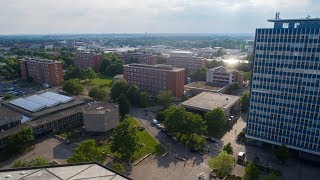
x: 154, y: 121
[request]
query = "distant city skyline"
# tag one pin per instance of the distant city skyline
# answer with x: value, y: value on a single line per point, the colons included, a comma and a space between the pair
x: 140, y: 16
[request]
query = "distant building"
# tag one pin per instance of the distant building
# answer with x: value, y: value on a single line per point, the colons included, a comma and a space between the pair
x: 222, y: 76
x: 179, y: 53
x: 207, y: 101
x: 80, y: 171
x: 100, y: 117
x: 42, y: 71
x: 198, y: 87
x: 9, y: 118
x: 87, y: 59
x: 48, y: 47
x: 139, y: 58
x: 189, y: 63
x: 155, y: 78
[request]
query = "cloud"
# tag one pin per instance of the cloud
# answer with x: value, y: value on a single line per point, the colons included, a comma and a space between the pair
x: 105, y: 16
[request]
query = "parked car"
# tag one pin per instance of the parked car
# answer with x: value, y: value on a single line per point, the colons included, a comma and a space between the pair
x: 174, y: 139
x: 211, y: 139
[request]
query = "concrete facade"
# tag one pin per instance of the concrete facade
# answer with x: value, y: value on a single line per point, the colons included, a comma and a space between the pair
x: 222, y: 76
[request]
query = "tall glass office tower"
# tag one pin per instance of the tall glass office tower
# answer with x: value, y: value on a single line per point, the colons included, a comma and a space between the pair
x: 285, y: 89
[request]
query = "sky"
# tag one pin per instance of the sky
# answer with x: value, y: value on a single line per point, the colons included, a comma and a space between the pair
x: 151, y: 16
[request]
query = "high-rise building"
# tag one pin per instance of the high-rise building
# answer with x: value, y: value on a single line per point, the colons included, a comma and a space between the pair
x: 188, y: 62
x: 87, y: 59
x: 285, y: 90
x: 155, y: 78
x: 42, y: 70
x: 221, y: 76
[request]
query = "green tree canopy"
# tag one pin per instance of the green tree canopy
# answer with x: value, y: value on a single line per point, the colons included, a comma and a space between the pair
x: 199, y: 75
x: 133, y: 95
x: 90, y: 73
x: 233, y: 88
x: 39, y: 161
x: 124, y: 105
x: 77, y: 72
x: 125, y: 139
x: 19, y: 142
x: 165, y: 98
x: 143, y: 99
x: 272, y: 176
x: 282, y: 153
x: 87, y: 151
x: 216, y: 121
x: 118, y: 88
x: 251, y: 172
x: 245, y: 101
x: 98, y: 94
x: 228, y: 148
x: 73, y: 87
x: 196, y: 142
x: 222, y: 164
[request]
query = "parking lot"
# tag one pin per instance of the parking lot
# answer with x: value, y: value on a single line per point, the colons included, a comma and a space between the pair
x: 20, y: 88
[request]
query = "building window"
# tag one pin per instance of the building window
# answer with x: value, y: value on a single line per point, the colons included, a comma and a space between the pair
x: 285, y: 25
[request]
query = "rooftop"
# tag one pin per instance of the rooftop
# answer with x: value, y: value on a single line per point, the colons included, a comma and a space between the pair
x: 221, y: 69
x: 99, y: 107
x: 298, y: 19
x: 5, y: 113
x: 207, y: 101
x: 80, y: 171
x: 157, y: 66
x: 203, y: 85
x: 40, y: 60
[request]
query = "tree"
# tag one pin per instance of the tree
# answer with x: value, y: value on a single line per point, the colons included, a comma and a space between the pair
x: 245, y: 101
x: 39, y: 161
x: 19, y: 142
x: 196, y: 142
x: 119, y: 168
x: 282, y: 153
x: 90, y: 73
x: 19, y: 163
x: 118, y: 88
x: 133, y: 95
x: 199, y: 75
x: 8, y: 96
x: 143, y: 99
x: 222, y: 164
x: 251, y: 172
x: 73, y: 87
x: 87, y: 151
x: 242, y: 135
x: 161, y: 116
x: 98, y: 94
x: 165, y: 98
x: 125, y: 139
x: 272, y: 176
x: 216, y: 121
x: 228, y: 148
x: 124, y: 105
x: 234, y: 87
x: 114, y: 69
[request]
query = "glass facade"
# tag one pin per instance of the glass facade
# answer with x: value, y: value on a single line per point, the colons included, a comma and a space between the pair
x: 285, y: 89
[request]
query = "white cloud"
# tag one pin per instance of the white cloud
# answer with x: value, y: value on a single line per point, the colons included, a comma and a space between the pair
x: 91, y: 16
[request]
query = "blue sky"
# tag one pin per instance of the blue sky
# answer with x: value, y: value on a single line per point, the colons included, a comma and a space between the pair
x: 152, y: 16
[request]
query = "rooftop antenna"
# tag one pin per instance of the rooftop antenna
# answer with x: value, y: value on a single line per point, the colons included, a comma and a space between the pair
x: 277, y: 15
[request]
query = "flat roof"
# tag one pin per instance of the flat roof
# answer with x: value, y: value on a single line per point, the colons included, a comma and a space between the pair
x: 297, y: 19
x: 161, y: 67
x: 99, y: 107
x: 207, y: 101
x: 79, y: 171
x: 6, y: 112
x: 203, y: 85
x: 40, y: 60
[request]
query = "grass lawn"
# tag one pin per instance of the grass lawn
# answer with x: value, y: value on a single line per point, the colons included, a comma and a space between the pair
x: 150, y: 145
x: 104, y: 82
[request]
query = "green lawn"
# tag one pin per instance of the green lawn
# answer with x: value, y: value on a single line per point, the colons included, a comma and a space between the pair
x: 102, y: 81
x: 150, y: 145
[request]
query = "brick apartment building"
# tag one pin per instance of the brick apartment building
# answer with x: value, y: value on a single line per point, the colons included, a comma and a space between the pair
x: 189, y: 63
x: 221, y: 76
x: 42, y: 70
x: 87, y: 59
x: 155, y: 78
x: 139, y: 58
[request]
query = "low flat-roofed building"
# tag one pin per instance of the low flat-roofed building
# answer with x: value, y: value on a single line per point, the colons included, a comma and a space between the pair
x: 79, y: 171
x: 198, y: 87
x: 222, y: 76
x: 100, y: 117
x: 116, y: 78
x: 207, y: 101
x: 9, y: 118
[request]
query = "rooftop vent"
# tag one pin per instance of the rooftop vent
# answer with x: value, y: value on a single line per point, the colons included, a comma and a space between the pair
x: 99, y: 108
x: 227, y: 99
